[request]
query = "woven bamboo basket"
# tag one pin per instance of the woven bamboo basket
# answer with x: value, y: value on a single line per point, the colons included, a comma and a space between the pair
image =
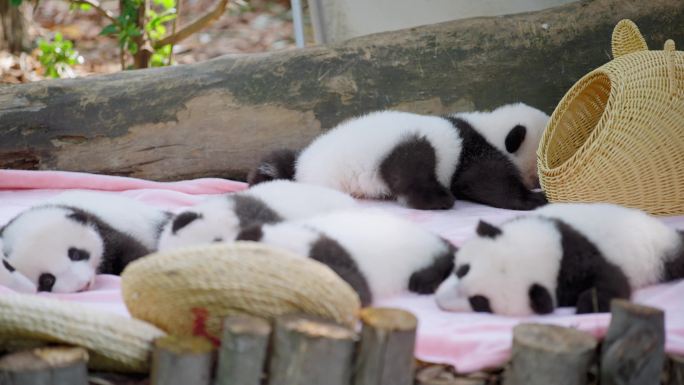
x: 618, y: 134
x: 189, y: 291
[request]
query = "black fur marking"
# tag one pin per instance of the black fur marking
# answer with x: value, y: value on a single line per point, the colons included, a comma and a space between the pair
x: 332, y: 254
x: 515, y: 138
x: 183, y: 219
x: 674, y: 265
x: 46, y: 281
x: 76, y: 254
x: 79, y: 217
x: 485, y: 175
x: 485, y: 229
x: 119, y: 248
x: 217, y: 240
x: 252, y: 211
x: 462, y: 271
x: 541, y: 301
x: 586, y: 279
x: 7, y: 265
x: 409, y: 172
x: 480, y: 304
x: 252, y: 233
x: 279, y: 164
x: 428, y: 279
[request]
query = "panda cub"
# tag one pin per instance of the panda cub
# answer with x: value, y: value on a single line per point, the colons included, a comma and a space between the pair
x: 220, y: 219
x: 60, y: 245
x: 581, y: 255
x: 424, y: 161
x: 379, y: 255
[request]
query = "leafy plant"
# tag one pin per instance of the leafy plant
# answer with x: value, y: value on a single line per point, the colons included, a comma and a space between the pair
x: 142, y: 30
x: 57, y: 56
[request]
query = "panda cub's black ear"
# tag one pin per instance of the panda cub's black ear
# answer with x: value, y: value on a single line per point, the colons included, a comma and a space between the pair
x: 183, y: 219
x: 78, y: 217
x: 515, y: 138
x: 485, y: 229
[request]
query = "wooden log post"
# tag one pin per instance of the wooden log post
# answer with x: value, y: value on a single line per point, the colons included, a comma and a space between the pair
x: 242, y: 355
x: 675, y: 372
x: 54, y: 366
x: 385, y: 355
x: 309, y: 351
x: 217, y: 118
x: 633, y: 351
x: 550, y: 354
x: 181, y: 361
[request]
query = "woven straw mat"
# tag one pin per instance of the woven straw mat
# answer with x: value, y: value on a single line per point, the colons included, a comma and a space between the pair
x: 189, y: 291
x: 618, y: 134
x: 114, y: 342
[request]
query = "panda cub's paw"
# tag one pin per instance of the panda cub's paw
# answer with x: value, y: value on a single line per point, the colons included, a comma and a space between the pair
x: 428, y: 198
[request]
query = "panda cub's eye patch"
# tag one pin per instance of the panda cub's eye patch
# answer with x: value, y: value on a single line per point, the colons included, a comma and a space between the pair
x: 78, y: 254
x: 46, y: 281
x: 462, y: 271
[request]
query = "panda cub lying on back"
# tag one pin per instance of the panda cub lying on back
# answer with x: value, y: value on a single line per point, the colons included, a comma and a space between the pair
x: 581, y: 255
x: 379, y: 255
x: 220, y: 219
x: 424, y: 161
x: 60, y: 245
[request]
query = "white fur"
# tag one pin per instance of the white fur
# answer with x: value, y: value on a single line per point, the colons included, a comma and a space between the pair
x: 129, y: 216
x: 14, y: 279
x: 529, y: 251
x: 290, y: 200
x: 387, y: 249
x: 503, y: 268
x: 348, y: 157
x: 38, y: 240
x: 629, y: 238
x: 496, y: 125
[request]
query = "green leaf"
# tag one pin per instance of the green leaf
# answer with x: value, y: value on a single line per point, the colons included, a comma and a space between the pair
x: 58, y: 37
x: 85, y: 7
x: 109, y: 30
x: 15, y: 3
x: 132, y: 47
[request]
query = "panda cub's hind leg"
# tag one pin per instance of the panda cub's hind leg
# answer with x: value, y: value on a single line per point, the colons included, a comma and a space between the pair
x: 410, y: 173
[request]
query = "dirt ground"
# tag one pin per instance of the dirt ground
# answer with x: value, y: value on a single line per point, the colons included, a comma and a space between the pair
x: 246, y: 27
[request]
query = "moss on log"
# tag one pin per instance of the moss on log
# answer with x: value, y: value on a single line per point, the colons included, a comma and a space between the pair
x: 218, y: 117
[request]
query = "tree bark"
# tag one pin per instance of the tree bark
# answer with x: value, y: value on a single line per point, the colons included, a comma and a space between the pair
x: 243, y: 351
x: 550, y: 354
x: 219, y: 117
x: 308, y: 351
x: 633, y: 351
x: 55, y: 365
x: 182, y: 361
x: 385, y: 355
x: 12, y: 28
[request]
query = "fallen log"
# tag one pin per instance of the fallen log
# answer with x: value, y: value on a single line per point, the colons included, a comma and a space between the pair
x: 218, y: 117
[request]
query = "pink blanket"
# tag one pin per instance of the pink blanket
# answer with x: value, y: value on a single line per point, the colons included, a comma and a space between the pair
x: 468, y: 341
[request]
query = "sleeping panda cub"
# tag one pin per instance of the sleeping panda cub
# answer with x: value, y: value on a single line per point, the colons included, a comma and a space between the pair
x: 423, y: 161
x: 60, y: 245
x: 220, y: 219
x: 581, y: 255
x: 379, y: 255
